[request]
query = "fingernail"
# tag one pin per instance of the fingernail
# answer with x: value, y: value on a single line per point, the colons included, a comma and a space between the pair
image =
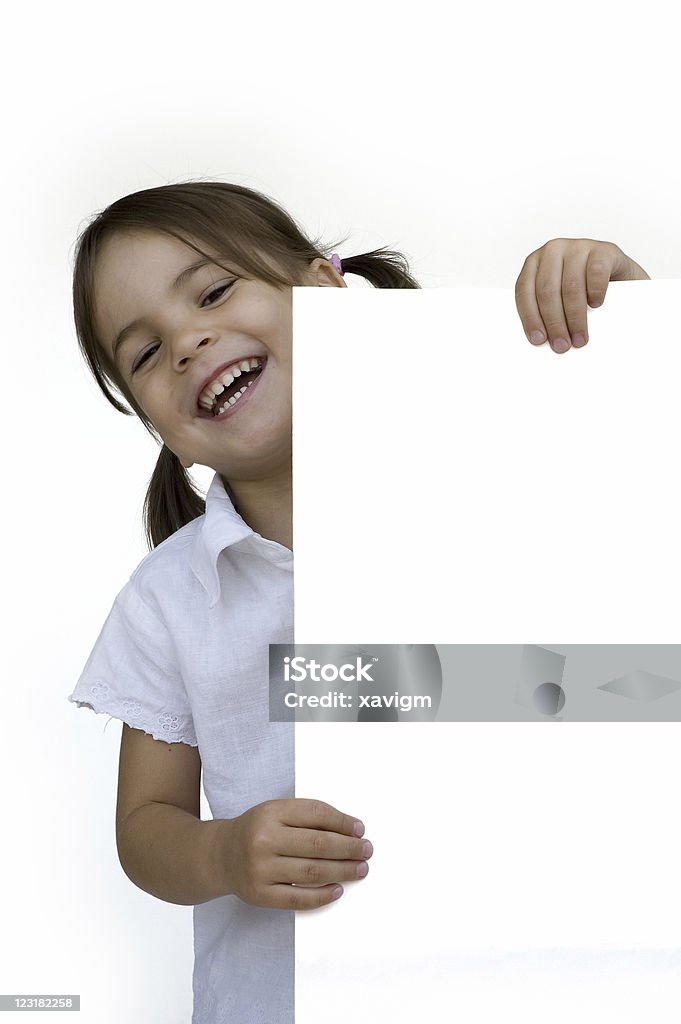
x: 362, y: 870
x: 537, y: 338
x: 578, y: 340
x: 337, y: 893
x: 367, y: 848
x: 560, y: 345
x: 359, y: 829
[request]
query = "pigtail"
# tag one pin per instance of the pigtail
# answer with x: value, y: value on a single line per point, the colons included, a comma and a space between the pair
x: 382, y: 268
x: 171, y: 500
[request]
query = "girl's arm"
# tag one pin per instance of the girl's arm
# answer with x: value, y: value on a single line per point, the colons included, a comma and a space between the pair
x: 288, y: 854
x: 163, y: 845
x: 166, y: 852
x: 558, y: 280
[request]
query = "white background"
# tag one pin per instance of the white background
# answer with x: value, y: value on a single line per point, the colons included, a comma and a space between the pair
x: 462, y: 137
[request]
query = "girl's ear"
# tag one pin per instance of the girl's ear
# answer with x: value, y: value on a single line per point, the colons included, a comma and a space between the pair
x: 323, y: 274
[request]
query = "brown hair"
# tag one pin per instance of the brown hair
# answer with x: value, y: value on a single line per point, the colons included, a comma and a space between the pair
x: 240, y: 224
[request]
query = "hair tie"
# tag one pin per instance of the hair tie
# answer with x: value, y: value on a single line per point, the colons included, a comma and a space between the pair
x: 336, y: 261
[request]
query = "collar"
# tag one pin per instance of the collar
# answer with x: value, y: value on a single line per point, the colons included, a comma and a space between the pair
x: 222, y: 526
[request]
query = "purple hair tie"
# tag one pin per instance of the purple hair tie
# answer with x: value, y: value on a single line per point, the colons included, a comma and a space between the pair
x: 335, y: 260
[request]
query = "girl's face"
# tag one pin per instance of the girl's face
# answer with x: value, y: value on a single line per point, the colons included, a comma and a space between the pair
x: 173, y: 327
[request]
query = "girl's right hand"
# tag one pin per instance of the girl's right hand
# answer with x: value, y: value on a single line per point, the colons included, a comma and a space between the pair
x: 291, y: 854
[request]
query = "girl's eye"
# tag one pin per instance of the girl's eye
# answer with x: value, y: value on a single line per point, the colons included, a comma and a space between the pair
x: 213, y: 296
x: 144, y: 357
x: 217, y: 292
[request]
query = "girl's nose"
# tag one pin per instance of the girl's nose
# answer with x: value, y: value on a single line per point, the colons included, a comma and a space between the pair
x: 189, y: 342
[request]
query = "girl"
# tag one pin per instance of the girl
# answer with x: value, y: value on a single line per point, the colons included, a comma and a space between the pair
x: 182, y: 305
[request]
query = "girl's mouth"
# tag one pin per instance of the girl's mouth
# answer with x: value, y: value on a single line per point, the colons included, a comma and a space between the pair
x: 237, y: 391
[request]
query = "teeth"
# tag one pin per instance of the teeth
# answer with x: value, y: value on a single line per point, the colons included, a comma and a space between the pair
x: 234, y: 399
x: 216, y: 387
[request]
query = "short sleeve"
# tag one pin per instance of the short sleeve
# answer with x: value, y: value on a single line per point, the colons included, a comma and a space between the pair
x: 133, y: 674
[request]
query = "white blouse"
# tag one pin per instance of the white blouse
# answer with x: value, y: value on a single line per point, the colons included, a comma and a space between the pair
x: 184, y: 655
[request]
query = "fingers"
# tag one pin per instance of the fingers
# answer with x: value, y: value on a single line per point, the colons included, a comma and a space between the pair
x: 308, y: 884
x: 538, y: 296
x: 303, y: 884
x: 598, y: 275
x: 297, y: 871
x: 316, y: 814
x: 559, y: 279
x: 526, y: 302
x: 298, y: 897
x: 551, y: 296
x: 557, y: 282
x: 305, y: 842
x: 293, y: 853
x: 573, y: 289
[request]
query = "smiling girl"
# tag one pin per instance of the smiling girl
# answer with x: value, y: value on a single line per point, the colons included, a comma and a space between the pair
x: 182, y: 305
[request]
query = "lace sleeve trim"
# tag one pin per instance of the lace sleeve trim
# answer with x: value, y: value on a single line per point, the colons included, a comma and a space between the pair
x: 164, y: 725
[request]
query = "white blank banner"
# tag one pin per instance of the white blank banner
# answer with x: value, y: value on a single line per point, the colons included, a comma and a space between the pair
x: 453, y: 484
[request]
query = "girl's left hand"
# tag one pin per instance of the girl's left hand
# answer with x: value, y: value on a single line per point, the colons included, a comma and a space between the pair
x: 558, y: 280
